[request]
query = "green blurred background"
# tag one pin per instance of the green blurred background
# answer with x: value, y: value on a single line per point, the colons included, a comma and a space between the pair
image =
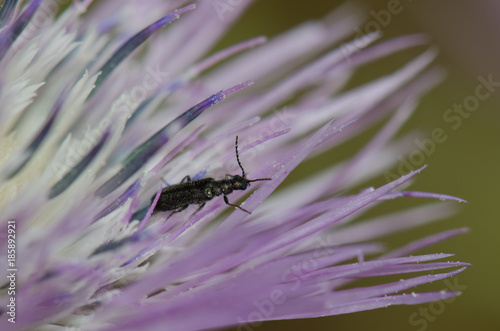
x: 468, y: 36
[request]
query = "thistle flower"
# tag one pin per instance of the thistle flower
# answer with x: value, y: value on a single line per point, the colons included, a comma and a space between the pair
x: 98, y: 107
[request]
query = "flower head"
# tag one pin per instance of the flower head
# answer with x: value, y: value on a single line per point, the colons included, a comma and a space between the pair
x: 99, y: 106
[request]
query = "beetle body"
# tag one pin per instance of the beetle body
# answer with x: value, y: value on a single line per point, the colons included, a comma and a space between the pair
x: 178, y: 197
x: 182, y: 195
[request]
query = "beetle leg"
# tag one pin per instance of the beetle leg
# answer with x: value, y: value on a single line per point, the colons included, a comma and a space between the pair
x: 233, y: 205
x: 199, y: 208
x: 177, y: 211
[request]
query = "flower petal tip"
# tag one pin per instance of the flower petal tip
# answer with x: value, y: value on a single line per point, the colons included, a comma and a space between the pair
x: 237, y: 87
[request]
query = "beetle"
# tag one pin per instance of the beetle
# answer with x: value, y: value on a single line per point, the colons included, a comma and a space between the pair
x: 189, y: 192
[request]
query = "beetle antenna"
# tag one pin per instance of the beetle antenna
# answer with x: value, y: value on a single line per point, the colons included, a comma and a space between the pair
x: 259, y: 179
x: 238, y: 158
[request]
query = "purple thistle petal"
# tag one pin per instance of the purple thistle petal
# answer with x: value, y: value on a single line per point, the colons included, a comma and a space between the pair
x: 384, y: 49
x: 150, y: 283
x: 12, y: 32
x: 401, y: 269
x: 177, y: 149
x: 146, y: 150
x: 340, y: 302
x: 150, y: 210
x: 307, y: 39
x: 334, y: 216
x: 39, y: 138
x: 392, y: 223
x: 374, y: 303
x: 195, y: 35
x: 73, y: 174
x: 99, y: 257
x: 386, y: 289
x: 130, y: 45
x: 224, y: 54
x: 374, y: 146
x: 7, y: 11
x: 196, y: 70
x: 415, y: 194
x: 425, y: 242
x: 131, y: 191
